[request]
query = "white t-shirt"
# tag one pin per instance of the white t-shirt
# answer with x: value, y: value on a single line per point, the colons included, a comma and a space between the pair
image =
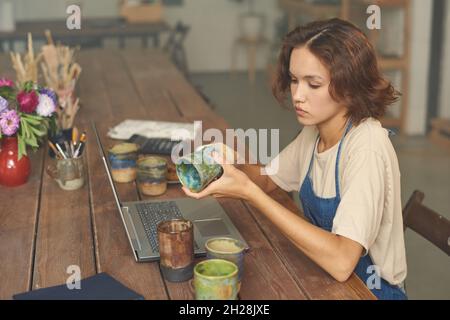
x: 370, y: 210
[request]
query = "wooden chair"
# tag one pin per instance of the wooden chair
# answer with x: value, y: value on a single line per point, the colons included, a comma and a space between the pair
x: 429, y: 224
x: 251, y: 45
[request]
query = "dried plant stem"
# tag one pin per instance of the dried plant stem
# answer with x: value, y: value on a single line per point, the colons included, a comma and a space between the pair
x: 61, y: 73
x: 26, y: 68
x: 66, y: 116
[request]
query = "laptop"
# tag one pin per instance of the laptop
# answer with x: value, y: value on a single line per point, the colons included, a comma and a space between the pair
x: 140, y: 219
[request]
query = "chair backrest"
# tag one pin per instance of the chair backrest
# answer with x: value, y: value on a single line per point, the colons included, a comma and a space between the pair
x: 174, y: 46
x: 176, y: 37
x: 429, y: 224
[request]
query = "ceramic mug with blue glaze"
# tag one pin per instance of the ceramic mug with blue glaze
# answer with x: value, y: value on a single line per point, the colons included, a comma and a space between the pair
x: 122, y: 158
x: 198, y: 169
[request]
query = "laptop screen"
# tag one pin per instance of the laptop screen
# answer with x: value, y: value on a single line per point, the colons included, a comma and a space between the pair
x: 105, y: 162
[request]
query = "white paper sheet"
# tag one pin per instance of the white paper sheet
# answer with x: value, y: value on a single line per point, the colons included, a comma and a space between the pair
x: 152, y: 129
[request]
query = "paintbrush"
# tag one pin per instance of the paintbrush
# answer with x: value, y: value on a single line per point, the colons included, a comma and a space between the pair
x: 57, y: 153
x: 74, y: 140
x: 80, y: 147
x: 61, y: 151
x: 67, y: 148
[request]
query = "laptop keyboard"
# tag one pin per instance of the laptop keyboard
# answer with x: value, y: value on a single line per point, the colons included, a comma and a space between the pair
x: 152, y: 213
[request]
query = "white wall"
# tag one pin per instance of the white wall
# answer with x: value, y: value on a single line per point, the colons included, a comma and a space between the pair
x: 214, y: 25
x: 214, y: 28
x: 48, y: 9
x: 420, y: 61
x: 444, y: 110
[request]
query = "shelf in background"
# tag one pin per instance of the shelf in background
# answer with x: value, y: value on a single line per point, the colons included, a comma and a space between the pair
x: 392, y: 63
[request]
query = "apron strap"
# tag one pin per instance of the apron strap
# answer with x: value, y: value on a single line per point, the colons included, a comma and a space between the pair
x: 336, y: 170
x: 312, y: 156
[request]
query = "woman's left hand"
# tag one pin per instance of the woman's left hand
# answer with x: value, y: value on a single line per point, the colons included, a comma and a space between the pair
x: 232, y: 184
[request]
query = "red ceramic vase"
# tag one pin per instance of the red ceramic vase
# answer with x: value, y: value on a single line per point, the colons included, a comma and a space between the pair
x: 13, y: 172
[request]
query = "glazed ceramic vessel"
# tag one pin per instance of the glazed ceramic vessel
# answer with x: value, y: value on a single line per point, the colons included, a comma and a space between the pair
x: 13, y: 172
x: 227, y: 249
x: 122, y: 158
x: 151, y: 175
x: 68, y: 173
x: 198, y: 169
x: 215, y: 279
x: 176, y: 248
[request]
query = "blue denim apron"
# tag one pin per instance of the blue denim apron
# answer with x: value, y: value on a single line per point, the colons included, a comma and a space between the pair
x: 321, y: 212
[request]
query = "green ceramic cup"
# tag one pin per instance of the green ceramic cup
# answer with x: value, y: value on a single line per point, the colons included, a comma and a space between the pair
x: 196, y: 170
x: 215, y: 279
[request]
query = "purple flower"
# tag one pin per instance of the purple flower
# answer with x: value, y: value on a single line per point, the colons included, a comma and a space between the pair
x: 51, y: 94
x: 6, y: 83
x: 9, y: 122
x: 46, y: 106
x: 3, y: 105
x: 28, y: 101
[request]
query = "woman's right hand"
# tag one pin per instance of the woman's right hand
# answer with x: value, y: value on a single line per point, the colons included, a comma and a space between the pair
x: 232, y: 184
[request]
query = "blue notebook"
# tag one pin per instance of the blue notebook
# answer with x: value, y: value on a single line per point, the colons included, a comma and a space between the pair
x: 99, y: 287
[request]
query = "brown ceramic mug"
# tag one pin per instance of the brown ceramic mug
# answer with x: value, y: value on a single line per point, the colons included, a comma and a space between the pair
x: 176, y: 249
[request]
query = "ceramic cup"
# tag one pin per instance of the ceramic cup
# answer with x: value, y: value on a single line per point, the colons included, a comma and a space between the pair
x: 122, y: 158
x: 151, y: 175
x: 68, y: 173
x: 176, y: 248
x: 227, y: 249
x: 215, y: 279
x: 198, y: 169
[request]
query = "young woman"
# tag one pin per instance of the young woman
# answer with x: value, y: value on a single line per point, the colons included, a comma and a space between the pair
x: 342, y: 163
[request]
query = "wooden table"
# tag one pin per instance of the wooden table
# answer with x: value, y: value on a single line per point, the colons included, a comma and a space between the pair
x: 44, y: 229
x: 92, y: 32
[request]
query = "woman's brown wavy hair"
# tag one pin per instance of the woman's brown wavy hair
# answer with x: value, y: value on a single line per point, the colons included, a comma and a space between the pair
x: 350, y: 58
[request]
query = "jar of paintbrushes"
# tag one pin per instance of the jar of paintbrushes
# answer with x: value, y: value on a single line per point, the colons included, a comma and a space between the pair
x: 68, y: 170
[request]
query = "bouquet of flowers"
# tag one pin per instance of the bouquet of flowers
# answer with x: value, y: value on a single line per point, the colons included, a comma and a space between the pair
x: 27, y: 111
